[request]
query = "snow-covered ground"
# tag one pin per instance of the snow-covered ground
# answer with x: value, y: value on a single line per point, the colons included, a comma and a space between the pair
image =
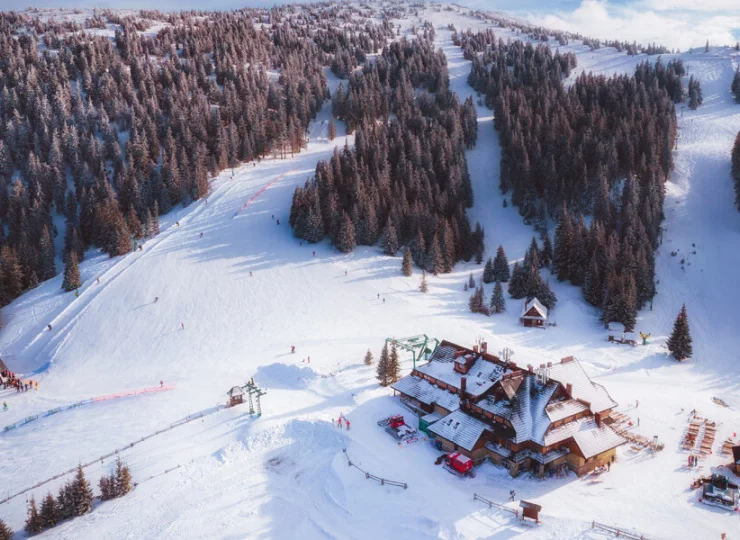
x: 247, y: 290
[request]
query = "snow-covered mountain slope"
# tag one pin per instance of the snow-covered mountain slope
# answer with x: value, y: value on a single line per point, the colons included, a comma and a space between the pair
x: 246, y: 291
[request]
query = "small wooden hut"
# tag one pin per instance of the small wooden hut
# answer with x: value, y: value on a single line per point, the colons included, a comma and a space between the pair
x: 236, y: 396
x: 533, y: 314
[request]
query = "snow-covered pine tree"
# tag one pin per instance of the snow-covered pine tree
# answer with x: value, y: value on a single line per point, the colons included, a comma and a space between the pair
x: 546, y: 295
x: 423, y: 286
x: 82, y: 494
x: 735, y: 86
x: 47, y: 268
x: 518, y: 282
x: 6, y: 533
x: 680, y: 341
x: 394, y: 365
x: 49, y: 514
x: 71, y: 273
x: 498, y: 301
x: 736, y: 169
x: 390, y: 239
x: 33, y: 521
x: 382, y: 369
x: 65, y: 502
x: 488, y: 273
x: 501, y: 266
x: 471, y: 281
x: 546, y: 253
x: 368, y: 358
x: 123, y: 478
x: 345, y: 240
x: 106, y: 485
x: 332, y: 129
x: 477, y: 303
x: 407, y: 266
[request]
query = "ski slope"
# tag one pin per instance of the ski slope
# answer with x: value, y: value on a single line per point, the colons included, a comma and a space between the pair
x: 231, y: 303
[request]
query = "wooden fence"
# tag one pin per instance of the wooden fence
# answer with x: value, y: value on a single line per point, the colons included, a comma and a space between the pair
x: 378, y: 479
x: 498, y: 506
x: 618, y: 532
x: 114, y: 452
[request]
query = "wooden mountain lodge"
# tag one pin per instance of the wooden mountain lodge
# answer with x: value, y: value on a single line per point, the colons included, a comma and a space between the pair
x: 537, y: 419
x: 533, y: 314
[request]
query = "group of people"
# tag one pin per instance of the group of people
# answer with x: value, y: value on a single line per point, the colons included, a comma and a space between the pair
x: 342, y: 419
x: 693, y: 460
x: 10, y: 380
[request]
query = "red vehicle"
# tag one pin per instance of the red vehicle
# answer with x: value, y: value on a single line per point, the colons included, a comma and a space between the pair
x: 396, y: 426
x: 458, y: 464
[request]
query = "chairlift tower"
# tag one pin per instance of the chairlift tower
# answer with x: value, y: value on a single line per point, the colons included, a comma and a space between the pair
x: 253, y: 390
x: 419, y: 346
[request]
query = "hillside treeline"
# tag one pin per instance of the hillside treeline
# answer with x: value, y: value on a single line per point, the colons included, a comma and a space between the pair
x: 406, y: 179
x: 600, y: 147
x: 100, y: 136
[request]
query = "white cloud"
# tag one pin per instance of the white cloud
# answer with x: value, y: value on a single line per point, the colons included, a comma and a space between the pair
x: 692, y: 5
x: 637, y: 22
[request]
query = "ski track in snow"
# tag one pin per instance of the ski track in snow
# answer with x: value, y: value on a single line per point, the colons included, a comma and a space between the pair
x: 284, y: 475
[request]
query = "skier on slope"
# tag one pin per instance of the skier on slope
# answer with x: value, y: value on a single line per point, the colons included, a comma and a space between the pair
x: 5, y: 405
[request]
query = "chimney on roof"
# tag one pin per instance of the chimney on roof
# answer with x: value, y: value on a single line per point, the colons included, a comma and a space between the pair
x: 569, y: 389
x: 463, y: 386
x: 484, y: 347
x: 542, y: 365
x: 475, y: 348
x: 549, y: 364
x: 530, y: 368
x: 566, y: 359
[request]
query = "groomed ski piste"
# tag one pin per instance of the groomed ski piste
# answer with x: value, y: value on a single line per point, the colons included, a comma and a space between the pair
x: 232, y: 303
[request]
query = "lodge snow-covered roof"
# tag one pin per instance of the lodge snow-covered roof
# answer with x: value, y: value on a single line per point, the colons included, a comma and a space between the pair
x: 563, y: 409
x: 537, y: 305
x: 481, y: 376
x: 427, y: 393
x: 593, y: 439
x: 460, y: 429
x: 235, y: 391
x: 583, y: 388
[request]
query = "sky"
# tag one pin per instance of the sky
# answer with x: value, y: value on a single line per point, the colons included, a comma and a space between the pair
x: 674, y: 23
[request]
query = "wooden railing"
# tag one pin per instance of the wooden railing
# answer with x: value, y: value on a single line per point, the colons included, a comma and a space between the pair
x: 378, y: 479
x: 619, y: 533
x: 496, y: 505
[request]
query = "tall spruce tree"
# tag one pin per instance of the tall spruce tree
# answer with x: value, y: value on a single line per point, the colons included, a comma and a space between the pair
x: 33, y: 520
x: 382, y: 369
x: 501, y: 266
x: 123, y: 478
x: 498, y: 302
x: 489, y: 275
x: 518, y: 282
x: 6, y: 533
x: 736, y: 169
x: 407, y: 266
x: 345, y: 239
x: 82, y: 494
x: 423, y: 286
x: 390, y: 239
x: 49, y: 514
x: 680, y: 341
x: 394, y: 365
x: 71, y: 273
